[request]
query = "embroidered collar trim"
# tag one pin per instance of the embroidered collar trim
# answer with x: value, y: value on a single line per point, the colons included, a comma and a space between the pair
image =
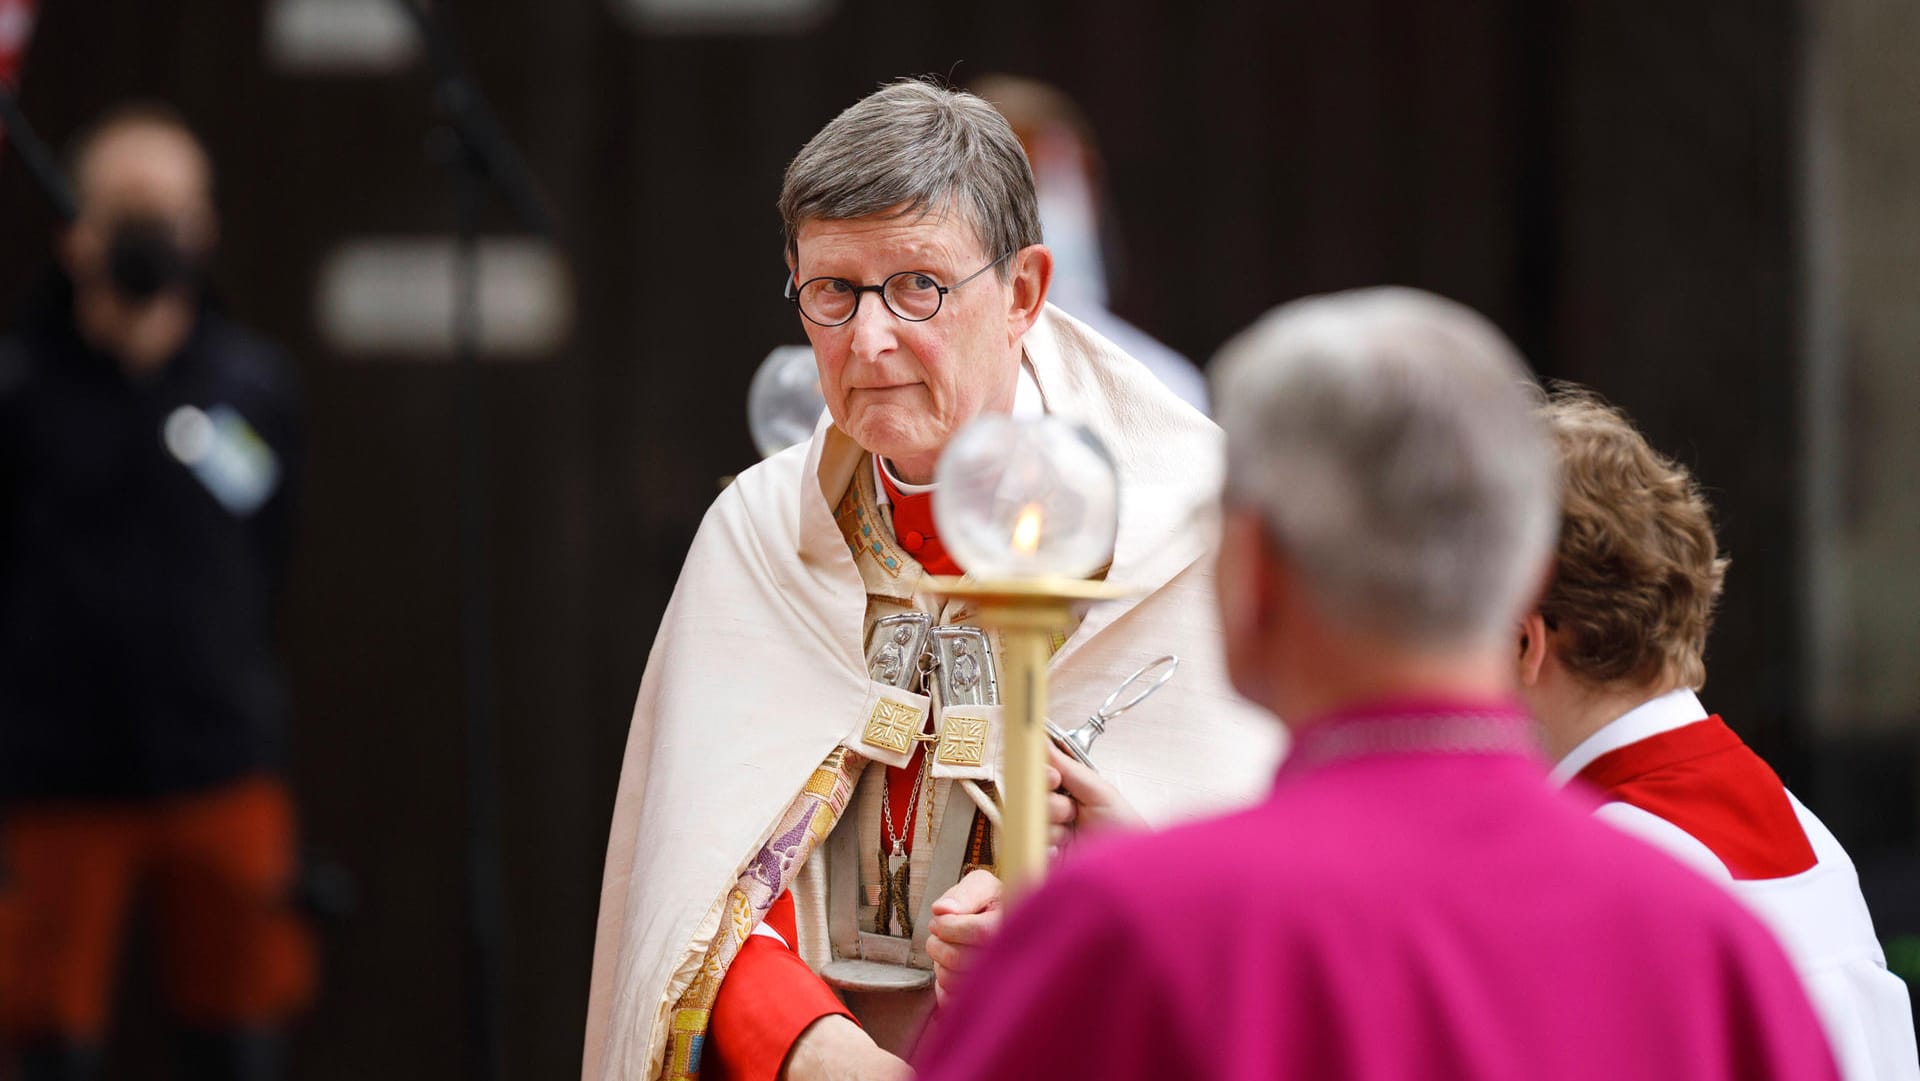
x: 1492, y: 729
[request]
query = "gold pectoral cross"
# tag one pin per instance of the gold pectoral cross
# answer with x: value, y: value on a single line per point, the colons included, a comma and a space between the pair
x: 893, y: 891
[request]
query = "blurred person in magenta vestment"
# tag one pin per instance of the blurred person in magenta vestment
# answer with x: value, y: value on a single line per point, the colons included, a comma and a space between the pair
x: 1413, y: 900
x: 148, y: 452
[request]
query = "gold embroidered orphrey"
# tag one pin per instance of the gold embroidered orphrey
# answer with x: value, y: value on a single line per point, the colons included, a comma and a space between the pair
x: 963, y: 741
x: 892, y: 726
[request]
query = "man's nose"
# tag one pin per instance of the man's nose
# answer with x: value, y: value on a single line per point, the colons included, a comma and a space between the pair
x: 873, y: 329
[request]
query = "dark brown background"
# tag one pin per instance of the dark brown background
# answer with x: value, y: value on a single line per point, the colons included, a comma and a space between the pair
x: 1614, y: 187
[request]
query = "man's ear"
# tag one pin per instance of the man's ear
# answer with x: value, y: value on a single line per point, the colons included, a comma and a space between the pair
x: 1533, y: 648
x: 1031, y: 278
x: 1240, y: 590
x: 1254, y: 581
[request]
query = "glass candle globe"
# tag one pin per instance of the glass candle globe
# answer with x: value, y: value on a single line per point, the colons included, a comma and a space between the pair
x: 1026, y: 497
x: 784, y: 400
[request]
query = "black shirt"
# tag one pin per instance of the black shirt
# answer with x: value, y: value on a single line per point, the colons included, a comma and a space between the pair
x: 136, y: 607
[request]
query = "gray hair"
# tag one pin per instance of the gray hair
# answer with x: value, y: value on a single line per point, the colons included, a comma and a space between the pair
x: 919, y: 147
x: 1389, y: 439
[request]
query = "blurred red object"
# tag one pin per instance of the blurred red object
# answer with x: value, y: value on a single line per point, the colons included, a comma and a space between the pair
x: 16, y: 29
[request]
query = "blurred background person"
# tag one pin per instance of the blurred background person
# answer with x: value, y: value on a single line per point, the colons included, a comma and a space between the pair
x: 1068, y: 177
x: 1609, y: 665
x: 148, y: 452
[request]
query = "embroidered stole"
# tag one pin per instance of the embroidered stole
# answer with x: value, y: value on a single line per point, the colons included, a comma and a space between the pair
x: 890, y: 574
x: 805, y: 824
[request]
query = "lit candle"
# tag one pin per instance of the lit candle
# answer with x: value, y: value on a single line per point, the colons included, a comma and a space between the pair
x: 1026, y: 530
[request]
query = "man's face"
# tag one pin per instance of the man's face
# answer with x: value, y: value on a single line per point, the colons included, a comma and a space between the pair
x: 143, y: 175
x: 901, y: 389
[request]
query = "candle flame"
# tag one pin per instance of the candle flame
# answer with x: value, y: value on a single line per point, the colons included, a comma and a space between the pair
x: 1026, y: 529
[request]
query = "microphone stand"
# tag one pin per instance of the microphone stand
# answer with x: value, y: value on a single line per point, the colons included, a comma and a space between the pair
x: 39, y: 160
x: 478, y: 158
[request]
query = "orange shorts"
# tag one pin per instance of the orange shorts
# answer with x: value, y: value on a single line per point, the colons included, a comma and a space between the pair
x: 219, y: 868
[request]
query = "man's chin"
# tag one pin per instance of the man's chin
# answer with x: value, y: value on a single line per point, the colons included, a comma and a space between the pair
x: 898, y: 452
x: 893, y: 444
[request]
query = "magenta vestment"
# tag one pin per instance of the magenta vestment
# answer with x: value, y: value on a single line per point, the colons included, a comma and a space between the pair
x: 1412, y: 901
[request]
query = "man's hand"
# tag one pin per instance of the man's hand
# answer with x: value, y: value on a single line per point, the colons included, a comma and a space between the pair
x: 967, y: 915
x: 835, y: 1049
x: 1088, y: 803
x: 964, y: 918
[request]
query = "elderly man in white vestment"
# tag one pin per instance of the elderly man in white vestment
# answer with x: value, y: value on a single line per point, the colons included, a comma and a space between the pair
x: 812, y: 762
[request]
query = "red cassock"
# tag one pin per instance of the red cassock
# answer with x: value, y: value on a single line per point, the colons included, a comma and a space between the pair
x: 768, y: 999
x: 770, y: 996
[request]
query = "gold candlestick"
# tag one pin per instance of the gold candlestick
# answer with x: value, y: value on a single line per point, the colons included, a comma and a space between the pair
x: 1026, y: 612
x: 1029, y: 507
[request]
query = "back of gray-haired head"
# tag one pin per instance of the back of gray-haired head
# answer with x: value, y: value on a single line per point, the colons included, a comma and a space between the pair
x: 1388, y: 438
x: 921, y: 148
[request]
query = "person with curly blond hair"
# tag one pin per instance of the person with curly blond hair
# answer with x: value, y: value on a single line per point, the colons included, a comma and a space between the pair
x: 1610, y: 663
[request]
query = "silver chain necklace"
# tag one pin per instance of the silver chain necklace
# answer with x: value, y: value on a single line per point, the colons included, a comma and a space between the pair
x: 894, y: 871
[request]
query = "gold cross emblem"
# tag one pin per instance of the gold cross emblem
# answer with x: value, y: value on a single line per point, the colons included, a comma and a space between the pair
x: 963, y: 741
x: 892, y: 726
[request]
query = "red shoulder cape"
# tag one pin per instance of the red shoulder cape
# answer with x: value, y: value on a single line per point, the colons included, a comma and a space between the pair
x: 1703, y: 779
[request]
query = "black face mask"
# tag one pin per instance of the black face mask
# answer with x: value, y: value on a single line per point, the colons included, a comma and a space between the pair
x: 144, y: 260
